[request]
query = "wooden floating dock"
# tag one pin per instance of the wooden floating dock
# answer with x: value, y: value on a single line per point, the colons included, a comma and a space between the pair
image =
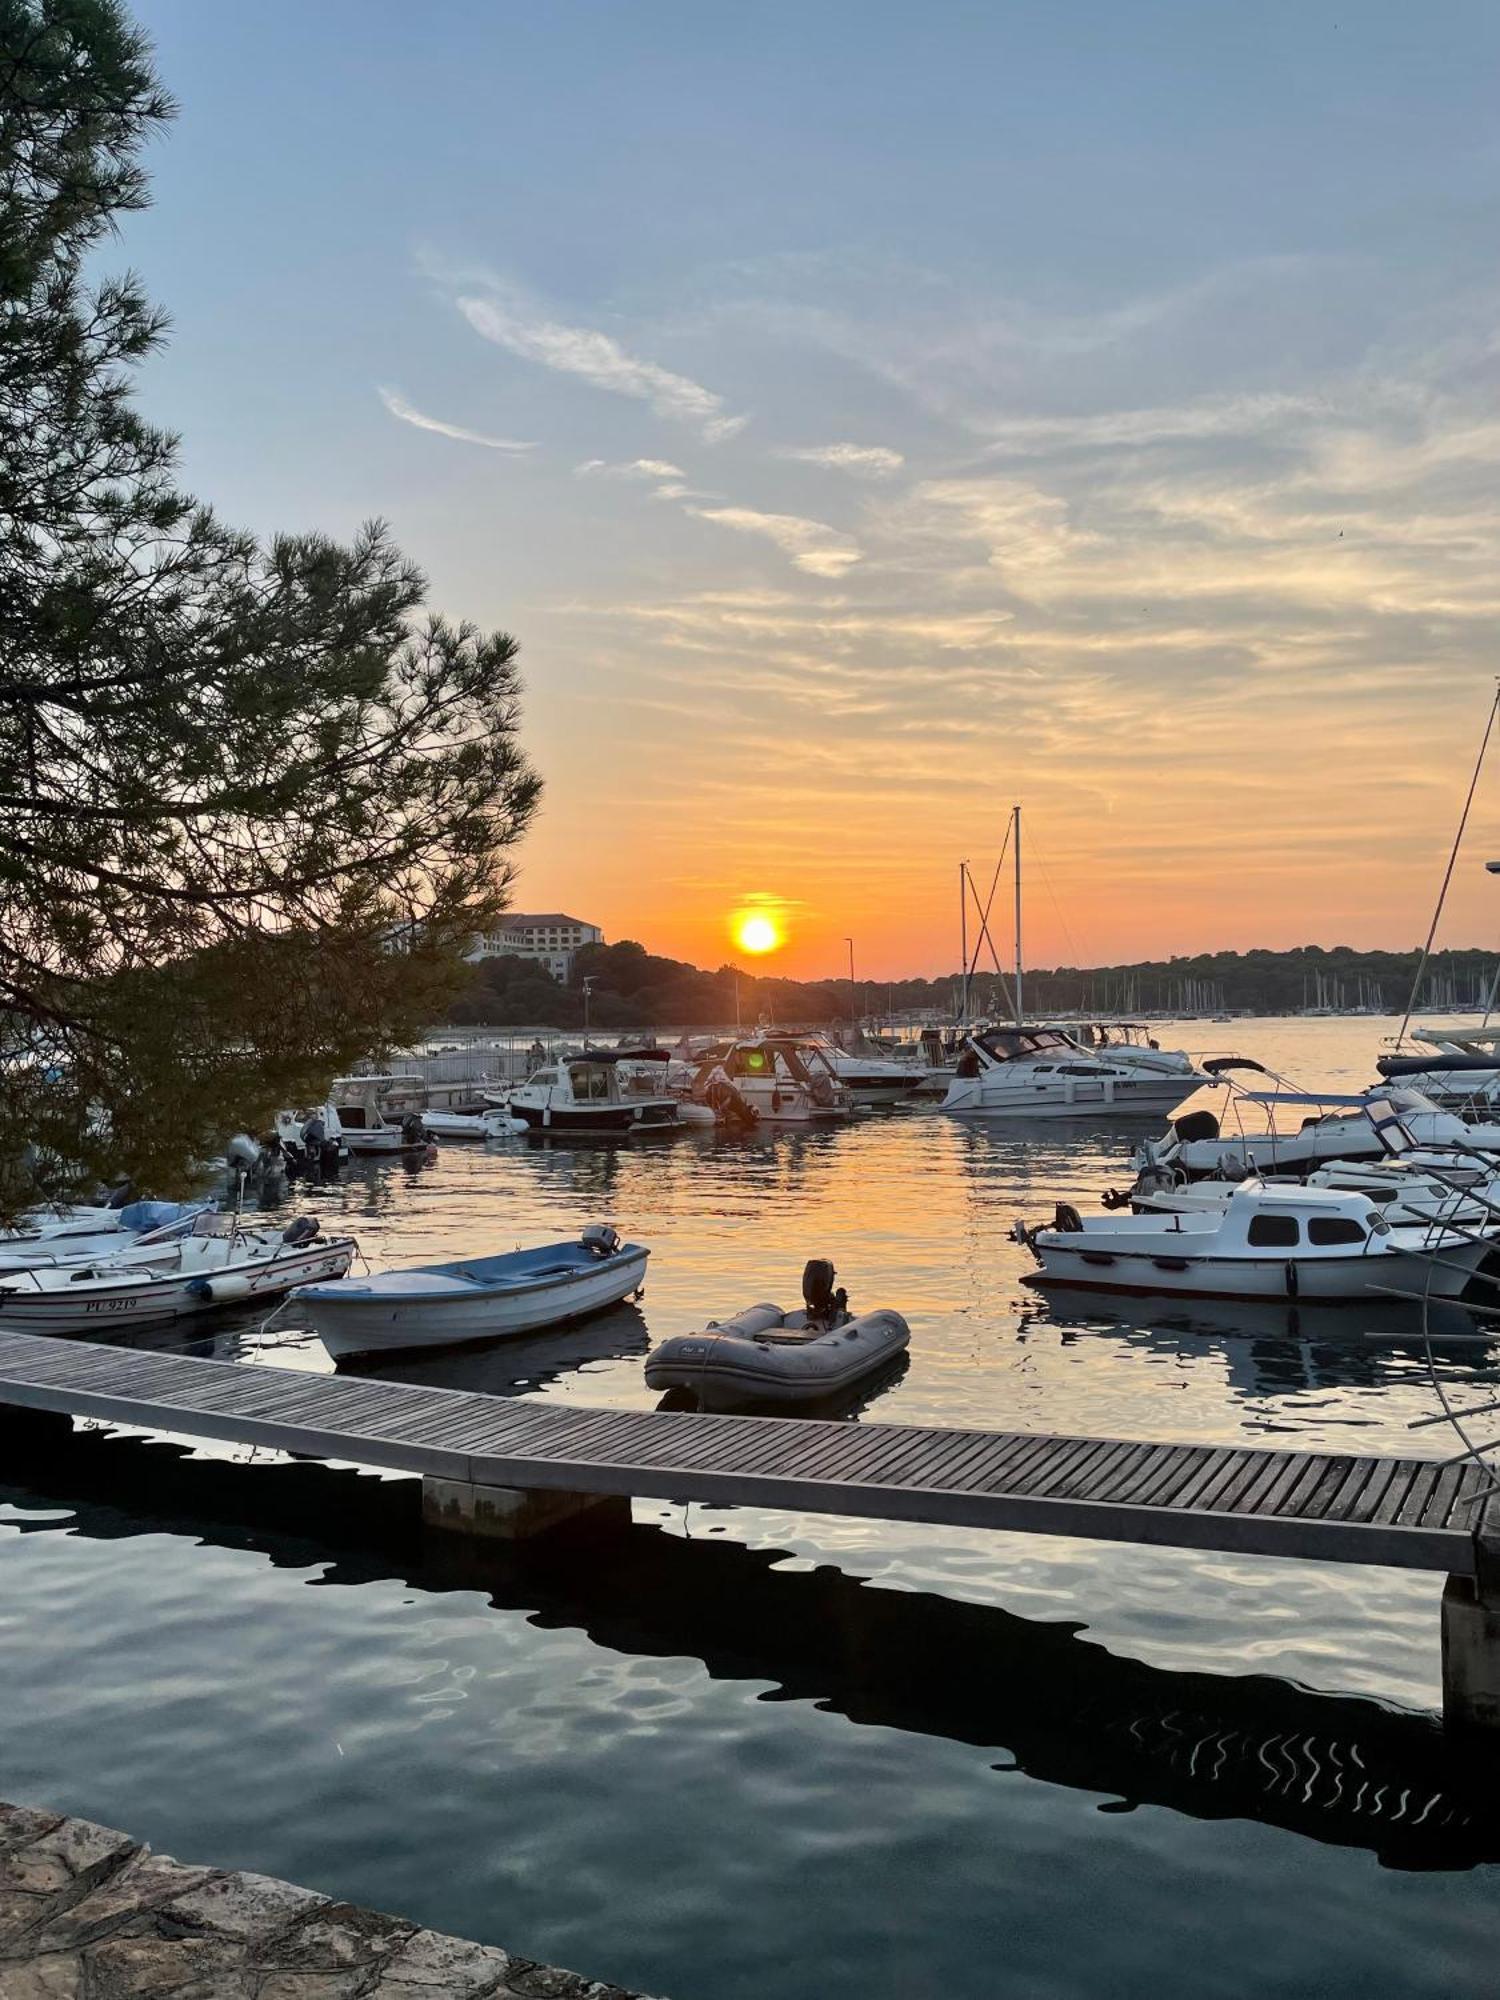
x: 492, y: 1466
x: 1412, y: 1513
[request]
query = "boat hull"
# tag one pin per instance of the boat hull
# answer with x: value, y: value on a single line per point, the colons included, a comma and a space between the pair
x: 1145, y: 1273
x: 989, y: 1096
x: 359, y: 1321
x: 597, y: 1121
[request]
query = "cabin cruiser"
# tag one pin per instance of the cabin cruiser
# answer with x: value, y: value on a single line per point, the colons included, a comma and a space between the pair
x: 1041, y: 1073
x: 585, y: 1094
x: 1129, y: 1043
x: 783, y: 1079
x: 1264, y: 1242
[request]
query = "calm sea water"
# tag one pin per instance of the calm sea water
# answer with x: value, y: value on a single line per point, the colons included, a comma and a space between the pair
x: 742, y: 1753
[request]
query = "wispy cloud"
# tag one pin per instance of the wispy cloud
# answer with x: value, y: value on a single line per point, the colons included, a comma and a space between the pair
x: 399, y: 407
x: 635, y: 468
x: 872, y: 460
x: 598, y: 358
x: 812, y: 545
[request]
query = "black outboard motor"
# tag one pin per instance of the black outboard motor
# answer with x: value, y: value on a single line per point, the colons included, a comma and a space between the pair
x: 825, y: 1307
x: 413, y: 1131
x: 328, y: 1160
x: 302, y: 1229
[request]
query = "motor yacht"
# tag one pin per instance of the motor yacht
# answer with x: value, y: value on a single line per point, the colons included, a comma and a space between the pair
x: 1041, y: 1073
x: 783, y: 1079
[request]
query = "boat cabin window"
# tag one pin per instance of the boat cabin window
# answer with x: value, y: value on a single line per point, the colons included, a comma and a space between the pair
x: 1335, y: 1229
x: 1273, y: 1232
x: 545, y: 1076
x: 353, y: 1115
x: 589, y: 1080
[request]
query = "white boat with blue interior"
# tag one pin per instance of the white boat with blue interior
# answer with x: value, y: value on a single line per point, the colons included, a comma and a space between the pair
x: 475, y: 1298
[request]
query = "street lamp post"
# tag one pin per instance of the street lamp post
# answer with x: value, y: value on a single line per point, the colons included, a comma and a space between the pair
x: 853, y: 1000
x: 588, y: 987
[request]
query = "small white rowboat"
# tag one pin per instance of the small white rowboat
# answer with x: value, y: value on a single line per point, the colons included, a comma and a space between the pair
x: 477, y: 1298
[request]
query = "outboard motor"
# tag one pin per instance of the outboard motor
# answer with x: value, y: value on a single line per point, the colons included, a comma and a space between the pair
x: 413, y: 1131
x: 825, y: 1307
x: 600, y: 1239
x: 301, y: 1230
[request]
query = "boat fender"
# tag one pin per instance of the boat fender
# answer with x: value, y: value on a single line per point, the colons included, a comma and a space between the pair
x: 1291, y: 1279
x: 217, y: 1291
x: 301, y: 1229
x: 1067, y: 1218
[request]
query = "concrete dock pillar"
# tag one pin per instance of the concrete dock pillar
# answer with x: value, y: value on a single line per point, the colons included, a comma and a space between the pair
x: 1471, y: 1655
x: 513, y: 1513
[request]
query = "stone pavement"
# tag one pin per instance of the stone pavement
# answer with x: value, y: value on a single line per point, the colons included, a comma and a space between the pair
x: 89, y: 1914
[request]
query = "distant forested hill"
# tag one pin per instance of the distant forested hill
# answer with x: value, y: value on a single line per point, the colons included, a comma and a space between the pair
x: 632, y: 988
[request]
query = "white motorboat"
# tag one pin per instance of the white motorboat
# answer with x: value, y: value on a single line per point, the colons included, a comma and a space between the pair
x: 583, y: 1094
x: 1264, y: 1242
x: 138, y: 1223
x: 357, y: 1103
x: 1129, y: 1044
x: 218, y: 1263
x: 1461, y: 1073
x: 472, y: 1125
x: 869, y: 1077
x: 476, y: 1298
x: 783, y: 1079
x: 1040, y: 1073
x: 304, y: 1133
x: 1338, y: 1127
x: 765, y: 1355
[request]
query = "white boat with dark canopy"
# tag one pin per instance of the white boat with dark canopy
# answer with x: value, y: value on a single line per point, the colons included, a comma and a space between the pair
x: 1325, y: 1126
x: 218, y: 1263
x: 584, y: 1094
x: 1041, y: 1073
x: 765, y: 1355
x: 475, y: 1299
x: 1264, y: 1242
x: 783, y: 1079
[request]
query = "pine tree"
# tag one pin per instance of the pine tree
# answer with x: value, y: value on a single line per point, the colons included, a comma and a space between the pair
x: 253, y: 797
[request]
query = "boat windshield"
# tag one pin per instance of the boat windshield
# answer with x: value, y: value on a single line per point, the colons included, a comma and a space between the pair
x: 1023, y: 1044
x: 591, y: 1081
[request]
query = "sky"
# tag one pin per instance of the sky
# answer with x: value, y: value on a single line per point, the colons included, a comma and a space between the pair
x: 868, y: 416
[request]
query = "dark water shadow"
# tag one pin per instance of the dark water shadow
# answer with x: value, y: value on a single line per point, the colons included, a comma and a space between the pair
x: 1047, y: 1701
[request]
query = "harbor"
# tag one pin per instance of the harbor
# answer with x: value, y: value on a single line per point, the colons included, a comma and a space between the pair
x: 668, y: 1615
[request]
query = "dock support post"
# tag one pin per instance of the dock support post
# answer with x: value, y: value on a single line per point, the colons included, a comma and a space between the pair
x: 1471, y: 1655
x: 513, y: 1513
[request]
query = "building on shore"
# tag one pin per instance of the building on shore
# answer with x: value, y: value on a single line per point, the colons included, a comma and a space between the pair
x: 550, y: 940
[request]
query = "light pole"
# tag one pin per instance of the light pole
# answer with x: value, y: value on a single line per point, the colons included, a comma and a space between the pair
x: 588, y: 987
x: 853, y: 1003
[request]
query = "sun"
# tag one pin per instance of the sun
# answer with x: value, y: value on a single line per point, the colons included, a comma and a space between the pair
x: 756, y: 932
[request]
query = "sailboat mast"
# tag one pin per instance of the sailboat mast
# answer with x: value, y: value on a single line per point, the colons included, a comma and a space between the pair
x: 1016, y: 836
x: 963, y: 938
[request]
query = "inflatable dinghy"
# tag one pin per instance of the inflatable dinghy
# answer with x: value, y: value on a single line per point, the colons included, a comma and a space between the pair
x: 765, y: 1355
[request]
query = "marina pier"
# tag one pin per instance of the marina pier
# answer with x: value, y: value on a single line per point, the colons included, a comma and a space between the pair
x: 512, y: 1469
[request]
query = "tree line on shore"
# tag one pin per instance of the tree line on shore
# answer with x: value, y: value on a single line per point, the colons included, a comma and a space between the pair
x: 630, y: 987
